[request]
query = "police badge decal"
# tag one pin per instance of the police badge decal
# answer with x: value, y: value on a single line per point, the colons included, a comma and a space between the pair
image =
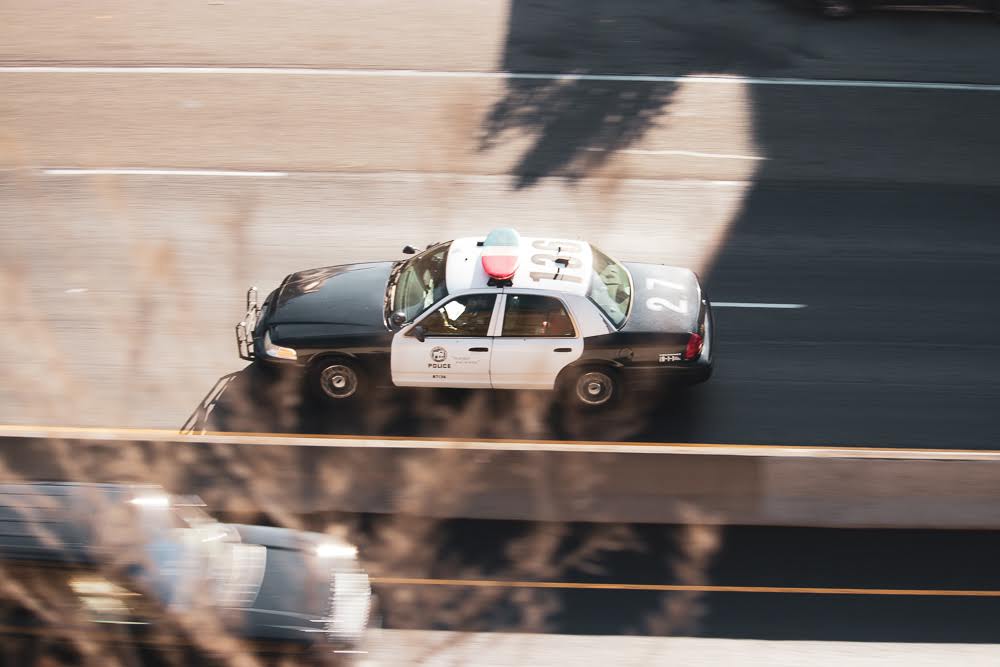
x: 438, y: 357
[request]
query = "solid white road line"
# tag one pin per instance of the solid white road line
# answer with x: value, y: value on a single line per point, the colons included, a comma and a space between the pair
x: 644, y: 151
x: 112, y: 434
x: 529, y: 76
x: 347, y: 174
x: 737, y: 304
x: 128, y: 171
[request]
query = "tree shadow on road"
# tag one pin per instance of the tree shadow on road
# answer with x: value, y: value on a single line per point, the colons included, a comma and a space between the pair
x: 577, y: 124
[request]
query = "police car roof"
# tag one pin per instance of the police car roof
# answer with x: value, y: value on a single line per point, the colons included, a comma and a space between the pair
x: 536, y: 266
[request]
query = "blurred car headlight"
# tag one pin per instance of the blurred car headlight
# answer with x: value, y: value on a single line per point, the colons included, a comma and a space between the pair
x: 277, y: 351
x: 336, y: 550
x: 152, y: 500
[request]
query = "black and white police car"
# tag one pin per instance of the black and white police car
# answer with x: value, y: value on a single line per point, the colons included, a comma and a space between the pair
x: 501, y: 312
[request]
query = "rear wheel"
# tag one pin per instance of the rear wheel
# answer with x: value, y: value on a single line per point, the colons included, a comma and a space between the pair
x: 595, y: 387
x: 338, y: 380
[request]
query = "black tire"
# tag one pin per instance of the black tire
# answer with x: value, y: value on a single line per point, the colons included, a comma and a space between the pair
x: 593, y: 387
x: 338, y: 380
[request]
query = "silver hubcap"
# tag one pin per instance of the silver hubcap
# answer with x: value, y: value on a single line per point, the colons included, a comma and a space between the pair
x: 339, y: 381
x: 595, y: 388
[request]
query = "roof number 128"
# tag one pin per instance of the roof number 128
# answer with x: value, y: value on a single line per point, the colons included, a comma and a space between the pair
x: 562, y: 261
x: 659, y: 303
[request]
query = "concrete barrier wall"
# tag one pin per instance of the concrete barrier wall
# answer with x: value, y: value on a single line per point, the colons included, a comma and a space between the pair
x: 543, y: 482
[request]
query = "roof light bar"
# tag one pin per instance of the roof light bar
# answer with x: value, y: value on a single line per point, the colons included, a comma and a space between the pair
x: 501, y: 253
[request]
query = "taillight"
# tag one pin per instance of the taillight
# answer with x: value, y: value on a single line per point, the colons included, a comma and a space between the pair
x: 693, y: 349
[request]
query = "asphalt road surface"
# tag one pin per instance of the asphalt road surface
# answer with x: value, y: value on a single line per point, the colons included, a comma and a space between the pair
x: 873, y: 205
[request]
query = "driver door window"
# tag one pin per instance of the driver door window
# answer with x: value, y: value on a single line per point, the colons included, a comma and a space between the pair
x: 467, y: 316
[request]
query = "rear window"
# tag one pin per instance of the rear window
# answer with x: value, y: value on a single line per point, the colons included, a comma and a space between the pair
x: 610, y: 288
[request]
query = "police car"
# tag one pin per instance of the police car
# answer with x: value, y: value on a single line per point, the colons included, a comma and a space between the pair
x: 500, y: 312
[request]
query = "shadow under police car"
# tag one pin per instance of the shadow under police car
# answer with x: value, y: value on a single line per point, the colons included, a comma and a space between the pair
x: 260, y: 399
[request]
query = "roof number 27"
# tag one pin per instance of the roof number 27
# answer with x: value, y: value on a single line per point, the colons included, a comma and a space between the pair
x: 659, y: 303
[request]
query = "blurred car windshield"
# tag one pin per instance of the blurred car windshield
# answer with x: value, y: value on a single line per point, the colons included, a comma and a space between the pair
x: 421, y: 282
x: 610, y: 288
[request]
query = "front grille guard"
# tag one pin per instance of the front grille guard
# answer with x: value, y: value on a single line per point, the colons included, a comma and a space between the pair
x: 246, y: 326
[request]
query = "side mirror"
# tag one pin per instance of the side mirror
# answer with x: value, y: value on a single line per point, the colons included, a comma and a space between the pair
x: 409, y: 250
x: 420, y: 333
x: 397, y: 319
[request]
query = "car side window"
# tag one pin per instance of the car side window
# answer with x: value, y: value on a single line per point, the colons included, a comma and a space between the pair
x: 533, y: 315
x: 467, y: 315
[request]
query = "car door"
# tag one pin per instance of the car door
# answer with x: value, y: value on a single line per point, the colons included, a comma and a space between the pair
x: 456, y: 346
x: 537, y: 338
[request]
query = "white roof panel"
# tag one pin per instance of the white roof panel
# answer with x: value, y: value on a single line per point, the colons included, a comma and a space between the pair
x: 537, y: 267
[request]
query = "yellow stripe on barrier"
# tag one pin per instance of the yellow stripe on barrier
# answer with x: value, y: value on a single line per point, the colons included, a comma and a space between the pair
x: 669, y: 588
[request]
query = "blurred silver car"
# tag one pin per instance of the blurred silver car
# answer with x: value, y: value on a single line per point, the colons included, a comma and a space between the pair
x: 102, y: 556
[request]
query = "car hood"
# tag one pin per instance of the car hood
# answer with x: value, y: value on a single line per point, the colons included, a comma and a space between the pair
x: 351, y: 296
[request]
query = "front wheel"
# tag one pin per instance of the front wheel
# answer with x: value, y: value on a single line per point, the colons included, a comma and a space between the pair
x: 595, y: 387
x: 338, y: 380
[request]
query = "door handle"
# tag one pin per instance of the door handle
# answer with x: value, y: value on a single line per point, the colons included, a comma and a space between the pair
x: 564, y: 349
x: 479, y: 349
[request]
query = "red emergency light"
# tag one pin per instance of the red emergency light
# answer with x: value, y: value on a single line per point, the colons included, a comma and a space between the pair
x: 501, y: 253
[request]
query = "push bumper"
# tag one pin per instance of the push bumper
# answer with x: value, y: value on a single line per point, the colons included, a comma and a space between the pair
x: 246, y: 327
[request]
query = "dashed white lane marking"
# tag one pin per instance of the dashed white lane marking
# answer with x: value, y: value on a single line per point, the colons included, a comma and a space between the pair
x: 528, y: 76
x: 644, y: 151
x: 737, y: 304
x: 75, y: 290
x: 125, y: 171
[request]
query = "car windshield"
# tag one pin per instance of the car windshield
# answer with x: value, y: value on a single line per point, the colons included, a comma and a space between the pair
x: 420, y: 282
x: 610, y: 288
